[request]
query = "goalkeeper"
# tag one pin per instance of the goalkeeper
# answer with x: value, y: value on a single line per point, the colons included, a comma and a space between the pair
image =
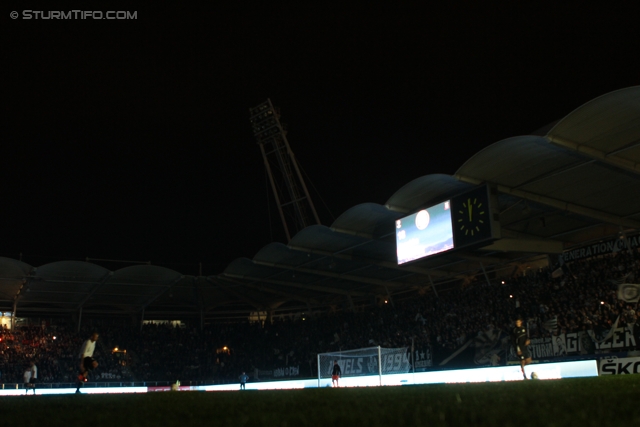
x: 335, y: 374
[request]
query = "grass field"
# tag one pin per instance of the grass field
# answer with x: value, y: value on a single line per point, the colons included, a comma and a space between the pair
x: 598, y: 401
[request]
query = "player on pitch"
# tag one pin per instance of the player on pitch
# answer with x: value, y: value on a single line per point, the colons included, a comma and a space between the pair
x: 335, y: 374
x: 87, y: 362
x: 521, y: 342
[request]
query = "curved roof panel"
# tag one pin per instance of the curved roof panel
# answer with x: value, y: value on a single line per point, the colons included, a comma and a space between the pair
x: 65, y: 283
x: 369, y: 220
x: 608, y: 124
x: 151, y: 274
x: 567, y: 175
x: 12, y: 268
x: 424, y: 191
x: 519, y: 160
x: 79, y: 271
x: 242, y: 267
x: 320, y: 238
x: 12, y: 277
x: 281, y: 254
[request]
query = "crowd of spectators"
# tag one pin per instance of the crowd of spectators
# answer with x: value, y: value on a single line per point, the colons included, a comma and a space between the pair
x: 577, y: 296
x: 56, y: 351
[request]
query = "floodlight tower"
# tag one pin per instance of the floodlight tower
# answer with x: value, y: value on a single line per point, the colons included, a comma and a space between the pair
x: 291, y: 194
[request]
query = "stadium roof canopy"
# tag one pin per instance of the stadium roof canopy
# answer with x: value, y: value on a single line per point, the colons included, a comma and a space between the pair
x: 575, y: 184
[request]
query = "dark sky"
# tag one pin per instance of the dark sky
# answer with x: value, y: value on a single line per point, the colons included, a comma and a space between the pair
x: 130, y: 139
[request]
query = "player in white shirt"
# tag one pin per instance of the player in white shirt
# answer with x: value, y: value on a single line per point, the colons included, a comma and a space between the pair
x: 87, y: 362
x: 26, y: 376
x: 34, y: 375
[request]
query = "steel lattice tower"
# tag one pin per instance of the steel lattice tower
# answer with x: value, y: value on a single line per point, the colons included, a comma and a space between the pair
x: 291, y: 194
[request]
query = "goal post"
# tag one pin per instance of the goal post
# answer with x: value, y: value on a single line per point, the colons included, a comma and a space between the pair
x: 370, y: 361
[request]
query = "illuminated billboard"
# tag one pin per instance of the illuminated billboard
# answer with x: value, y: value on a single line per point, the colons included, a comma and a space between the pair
x: 424, y: 233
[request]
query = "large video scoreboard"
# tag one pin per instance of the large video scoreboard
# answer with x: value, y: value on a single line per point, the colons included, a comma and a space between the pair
x: 462, y: 222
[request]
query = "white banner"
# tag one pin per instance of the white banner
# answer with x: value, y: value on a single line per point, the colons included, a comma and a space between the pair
x: 629, y: 292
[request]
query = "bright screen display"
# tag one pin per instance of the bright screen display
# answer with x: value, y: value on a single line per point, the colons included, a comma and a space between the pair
x: 424, y: 233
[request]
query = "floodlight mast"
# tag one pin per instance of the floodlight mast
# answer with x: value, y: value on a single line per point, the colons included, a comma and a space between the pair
x: 292, y: 197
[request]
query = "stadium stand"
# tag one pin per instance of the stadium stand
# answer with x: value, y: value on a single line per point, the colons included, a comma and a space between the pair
x: 163, y: 352
x: 560, y: 194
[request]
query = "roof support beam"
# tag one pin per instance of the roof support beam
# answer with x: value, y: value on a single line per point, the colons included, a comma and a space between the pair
x: 13, y: 313
x: 197, y: 291
x: 95, y: 288
x: 563, y: 206
x: 385, y: 264
x: 486, y: 277
x: 147, y: 285
x: 526, y: 245
x: 354, y: 233
x: 323, y: 289
x: 353, y: 307
x: 468, y: 256
x: 24, y: 287
x: 288, y: 295
x: 618, y: 162
x: 228, y: 290
x: 164, y: 289
x: 263, y: 288
x: 434, y: 287
x: 348, y: 277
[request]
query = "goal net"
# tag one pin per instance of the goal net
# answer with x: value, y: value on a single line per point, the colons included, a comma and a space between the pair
x: 365, y: 362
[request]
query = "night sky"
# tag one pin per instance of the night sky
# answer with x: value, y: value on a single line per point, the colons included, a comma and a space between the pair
x: 130, y: 139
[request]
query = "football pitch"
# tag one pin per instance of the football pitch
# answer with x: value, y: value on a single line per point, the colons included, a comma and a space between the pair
x: 596, y: 401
